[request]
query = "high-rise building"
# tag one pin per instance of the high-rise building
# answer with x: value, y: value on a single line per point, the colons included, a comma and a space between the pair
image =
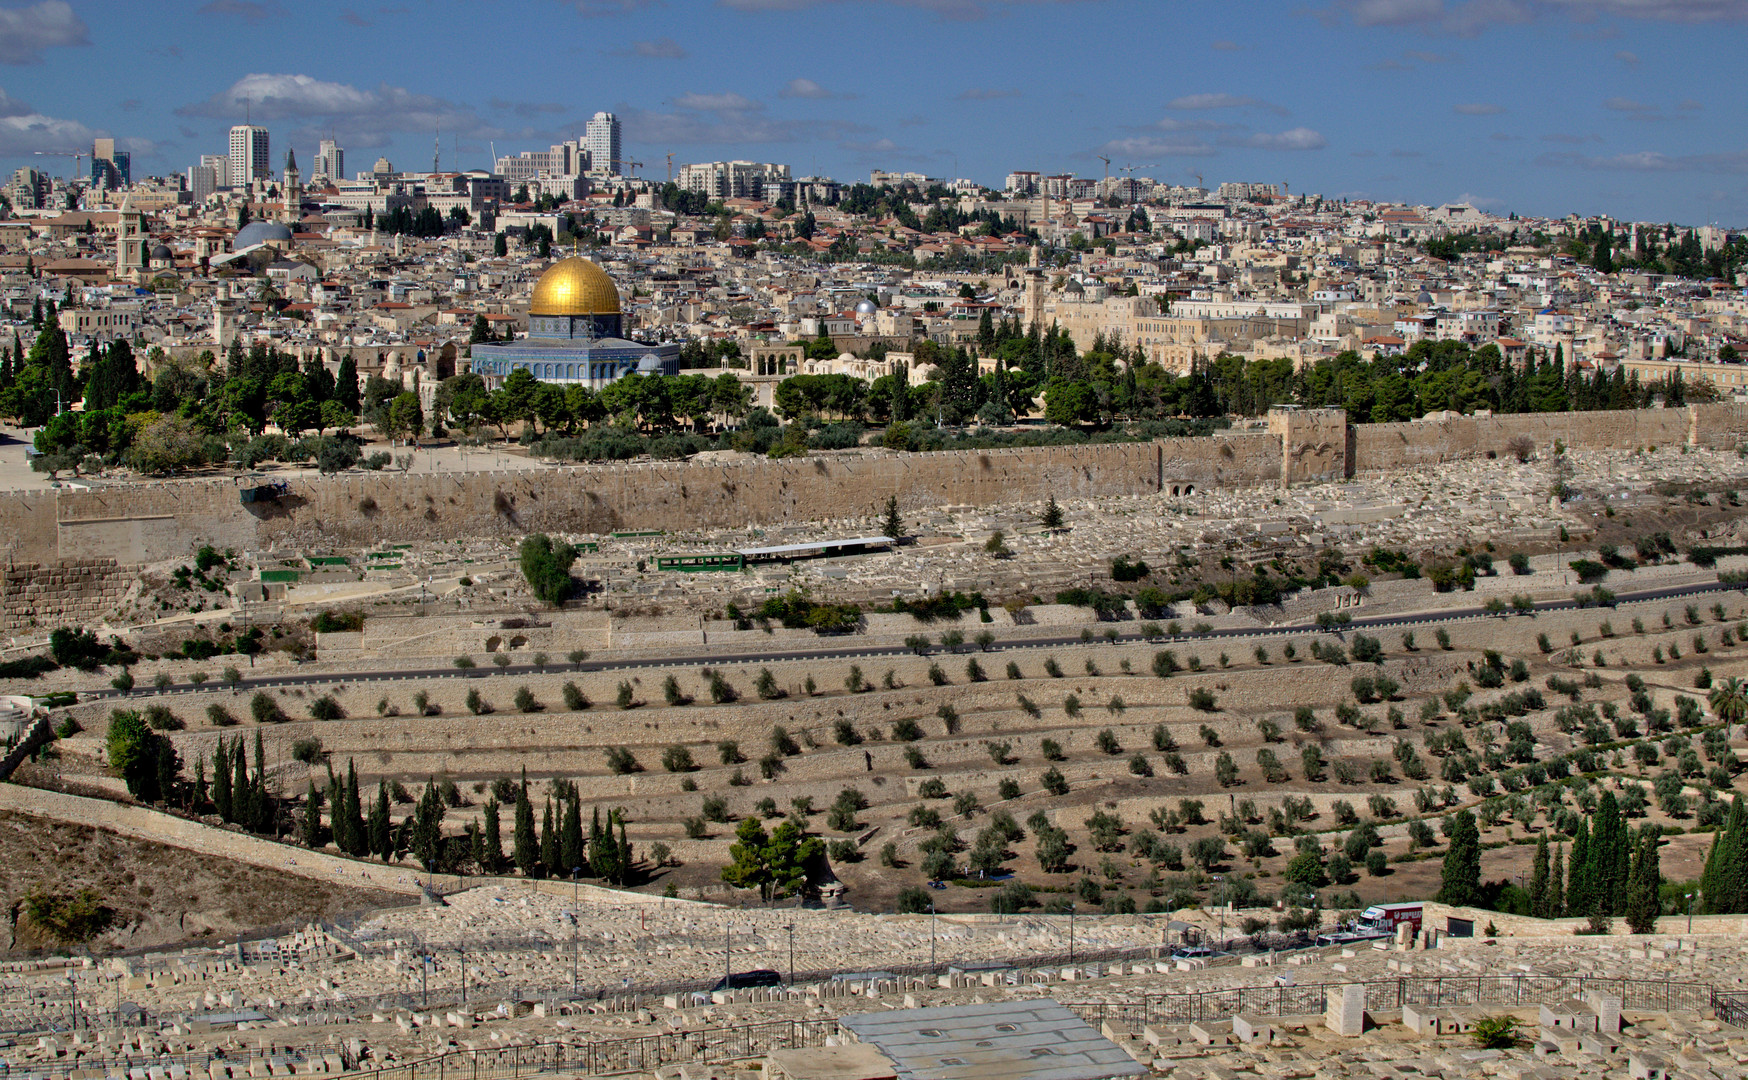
x: 603, y: 136
x: 110, y: 168
x: 330, y: 162
x: 248, y: 155
x: 202, y: 181
x: 733, y: 179
x: 220, y: 164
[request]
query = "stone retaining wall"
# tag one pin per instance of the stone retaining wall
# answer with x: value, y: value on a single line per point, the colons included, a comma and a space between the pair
x: 72, y: 592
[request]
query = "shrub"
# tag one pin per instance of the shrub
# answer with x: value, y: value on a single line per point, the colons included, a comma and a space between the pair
x: 307, y: 750
x: 264, y: 708
x: 326, y: 708
x: 1053, y: 781
x: 621, y: 761
x: 677, y: 758
x: 525, y: 701
x: 1202, y: 700
x: 573, y: 698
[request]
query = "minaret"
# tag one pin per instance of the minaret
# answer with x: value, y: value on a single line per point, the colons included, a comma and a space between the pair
x: 292, y: 189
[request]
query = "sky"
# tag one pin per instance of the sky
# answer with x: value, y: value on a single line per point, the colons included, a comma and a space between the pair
x: 1633, y: 108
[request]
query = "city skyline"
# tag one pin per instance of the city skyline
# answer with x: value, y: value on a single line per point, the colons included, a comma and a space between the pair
x: 1542, y: 108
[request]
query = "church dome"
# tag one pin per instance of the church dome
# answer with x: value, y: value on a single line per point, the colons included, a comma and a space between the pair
x: 260, y: 232
x: 574, y: 287
x: 866, y: 307
x: 161, y: 252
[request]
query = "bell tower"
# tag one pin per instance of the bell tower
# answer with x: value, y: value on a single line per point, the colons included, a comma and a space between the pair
x: 293, y: 189
x: 130, y: 241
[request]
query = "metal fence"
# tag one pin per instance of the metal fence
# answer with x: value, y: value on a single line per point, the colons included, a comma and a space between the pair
x: 1506, y: 991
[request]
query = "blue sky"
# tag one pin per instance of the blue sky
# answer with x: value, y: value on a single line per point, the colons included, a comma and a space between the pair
x: 1636, y: 108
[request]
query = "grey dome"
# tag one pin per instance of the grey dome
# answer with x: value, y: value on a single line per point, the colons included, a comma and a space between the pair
x: 260, y: 232
x: 866, y: 307
x: 159, y: 251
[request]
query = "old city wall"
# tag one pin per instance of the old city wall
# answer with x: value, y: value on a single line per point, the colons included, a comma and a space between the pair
x: 1382, y: 447
x: 149, y: 522
x: 72, y: 591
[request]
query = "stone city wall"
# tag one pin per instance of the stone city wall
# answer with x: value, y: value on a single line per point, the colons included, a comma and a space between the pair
x: 145, y: 523
x: 73, y: 591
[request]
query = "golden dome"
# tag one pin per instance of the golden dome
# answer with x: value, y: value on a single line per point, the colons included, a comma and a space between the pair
x: 574, y: 287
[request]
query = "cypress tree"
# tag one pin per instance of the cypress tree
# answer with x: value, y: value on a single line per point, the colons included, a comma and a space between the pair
x: 491, y: 840
x: 1460, y: 881
x: 312, y: 817
x: 623, y: 855
x: 1643, y: 904
x: 381, y: 827
x: 570, y: 838
x: 1610, y: 855
x: 357, y: 840
x: 260, y: 806
x: 427, y: 839
x: 242, y: 803
x: 1722, y: 881
x: 221, y: 780
x: 549, y: 860
x: 1557, y: 884
x: 1538, y: 889
x: 1580, y: 897
x: 527, y: 848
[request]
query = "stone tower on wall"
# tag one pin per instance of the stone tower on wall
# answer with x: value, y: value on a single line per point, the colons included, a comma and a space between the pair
x: 1313, y: 444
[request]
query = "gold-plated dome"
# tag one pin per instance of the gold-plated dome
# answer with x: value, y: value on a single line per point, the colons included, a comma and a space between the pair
x: 574, y: 287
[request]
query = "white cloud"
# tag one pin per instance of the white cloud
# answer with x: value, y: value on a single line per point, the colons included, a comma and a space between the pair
x: 1222, y: 101
x: 25, y: 32
x: 1627, y: 58
x: 663, y: 48
x: 718, y: 103
x: 946, y: 9
x: 24, y: 131
x: 247, y: 10
x: 1651, y: 161
x: 366, y: 118
x: 1627, y: 105
x: 1470, y: 17
x: 1299, y: 138
x: 808, y: 90
x: 1480, y: 108
x: 1148, y: 147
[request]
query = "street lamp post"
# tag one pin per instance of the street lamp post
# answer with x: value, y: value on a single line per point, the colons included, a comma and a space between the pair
x: 1689, y: 913
x: 1071, y: 932
x: 791, y: 928
x: 932, y: 969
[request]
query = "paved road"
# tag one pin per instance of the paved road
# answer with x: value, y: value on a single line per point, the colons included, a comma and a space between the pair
x: 1127, y: 632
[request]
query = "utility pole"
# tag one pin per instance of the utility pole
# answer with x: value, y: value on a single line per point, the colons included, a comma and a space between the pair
x: 791, y: 928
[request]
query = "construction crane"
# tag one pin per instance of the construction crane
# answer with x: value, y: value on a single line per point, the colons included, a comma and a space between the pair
x: 1199, y: 182
x: 632, y: 167
x: 1130, y: 169
x: 77, y: 156
x: 1107, y: 162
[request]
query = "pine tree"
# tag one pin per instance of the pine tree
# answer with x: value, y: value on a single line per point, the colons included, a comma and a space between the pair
x: 892, y: 525
x: 491, y: 840
x: 549, y: 862
x: 1538, y: 889
x: 1460, y: 880
x: 527, y: 847
x: 1557, y: 884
